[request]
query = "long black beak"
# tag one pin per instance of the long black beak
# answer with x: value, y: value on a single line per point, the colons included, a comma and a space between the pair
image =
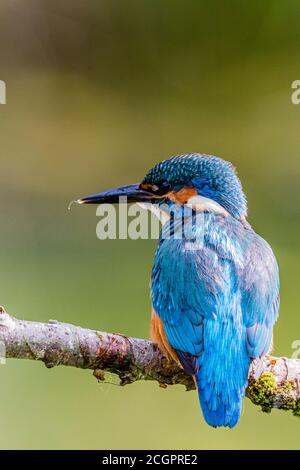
x: 130, y: 193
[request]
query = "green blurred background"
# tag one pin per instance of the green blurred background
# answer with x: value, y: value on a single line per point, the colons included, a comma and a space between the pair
x: 98, y: 92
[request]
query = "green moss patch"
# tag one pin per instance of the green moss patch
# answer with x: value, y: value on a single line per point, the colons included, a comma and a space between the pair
x: 265, y: 393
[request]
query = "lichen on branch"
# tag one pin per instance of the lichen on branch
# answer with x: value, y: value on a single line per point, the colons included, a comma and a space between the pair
x: 273, y: 382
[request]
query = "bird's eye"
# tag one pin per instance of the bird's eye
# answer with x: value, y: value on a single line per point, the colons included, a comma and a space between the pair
x: 165, y: 186
x: 159, y: 189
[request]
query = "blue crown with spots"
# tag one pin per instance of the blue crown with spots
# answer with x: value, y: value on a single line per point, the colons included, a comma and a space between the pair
x: 211, y: 176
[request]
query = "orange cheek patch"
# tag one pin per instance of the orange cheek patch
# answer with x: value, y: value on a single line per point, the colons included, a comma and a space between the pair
x: 182, y: 196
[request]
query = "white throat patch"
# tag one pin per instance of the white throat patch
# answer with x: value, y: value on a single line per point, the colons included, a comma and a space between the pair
x: 201, y: 204
x: 198, y: 203
x: 162, y: 216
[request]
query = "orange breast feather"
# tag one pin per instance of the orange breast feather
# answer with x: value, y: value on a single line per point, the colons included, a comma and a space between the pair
x: 157, y: 334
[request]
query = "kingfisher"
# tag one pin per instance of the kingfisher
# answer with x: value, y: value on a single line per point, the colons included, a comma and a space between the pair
x: 213, y: 307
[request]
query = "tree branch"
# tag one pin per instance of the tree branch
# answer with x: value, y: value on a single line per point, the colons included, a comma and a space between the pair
x: 273, y: 382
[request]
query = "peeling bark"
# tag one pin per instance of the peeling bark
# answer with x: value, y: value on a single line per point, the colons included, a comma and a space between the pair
x: 273, y: 382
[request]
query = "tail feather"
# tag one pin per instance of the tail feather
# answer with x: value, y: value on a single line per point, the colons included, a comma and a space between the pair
x: 222, y: 373
x: 218, y: 411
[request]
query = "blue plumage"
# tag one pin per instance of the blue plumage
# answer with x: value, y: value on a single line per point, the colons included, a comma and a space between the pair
x: 212, y: 176
x: 215, y: 290
x: 218, y: 303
